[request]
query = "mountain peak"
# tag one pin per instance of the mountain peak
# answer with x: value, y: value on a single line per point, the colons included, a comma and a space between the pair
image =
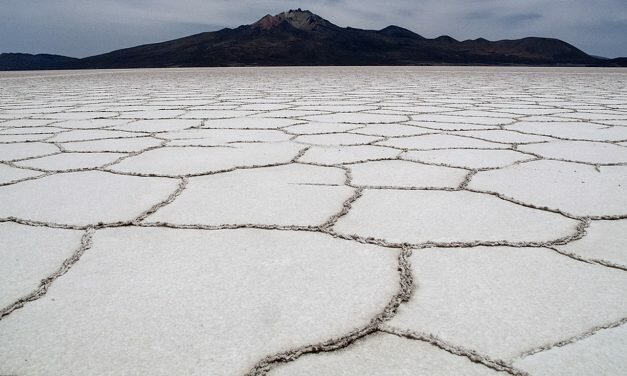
x: 297, y: 18
x: 397, y: 31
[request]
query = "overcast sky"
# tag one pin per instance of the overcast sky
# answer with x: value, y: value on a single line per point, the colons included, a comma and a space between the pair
x: 82, y: 28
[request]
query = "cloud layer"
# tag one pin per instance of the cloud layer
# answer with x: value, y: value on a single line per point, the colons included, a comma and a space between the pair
x: 87, y: 27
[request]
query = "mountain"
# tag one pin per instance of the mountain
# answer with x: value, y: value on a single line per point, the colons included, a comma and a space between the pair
x: 12, y: 61
x: 299, y: 37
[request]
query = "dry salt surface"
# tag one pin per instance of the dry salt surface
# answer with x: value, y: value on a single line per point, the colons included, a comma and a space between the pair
x: 314, y: 221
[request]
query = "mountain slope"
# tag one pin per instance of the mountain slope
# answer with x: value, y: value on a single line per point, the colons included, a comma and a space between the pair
x: 16, y: 61
x: 300, y: 37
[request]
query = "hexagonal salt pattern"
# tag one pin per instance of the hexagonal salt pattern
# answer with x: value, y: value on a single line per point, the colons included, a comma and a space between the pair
x: 123, y: 145
x: 405, y: 174
x: 604, y: 241
x: 19, y: 151
x: 603, y: 353
x: 320, y: 128
x: 71, y: 161
x: 83, y: 198
x: 215, y: 137
x: 579, y: 151
x: 30, y: 254
x: 262, y: 221
x: 574, y: 188
x: 336, y: 139
x: 506, y: 301
x: 357, y: 118
x: 285, y: 195
x: 10, y: 174
x: 440, y: 141
x: 195, y: 160
x: 226, y: 297
x: 423, y: 216
x: 346, y: 154
x: 464, y: 158
x: 572, y: 130
x: 385, y: 354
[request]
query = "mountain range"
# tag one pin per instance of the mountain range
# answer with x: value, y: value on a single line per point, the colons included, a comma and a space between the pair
x: 300, y: 37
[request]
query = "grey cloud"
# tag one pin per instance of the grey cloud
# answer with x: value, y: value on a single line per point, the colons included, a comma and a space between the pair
x: 509, y: 19
x: 521, y: 18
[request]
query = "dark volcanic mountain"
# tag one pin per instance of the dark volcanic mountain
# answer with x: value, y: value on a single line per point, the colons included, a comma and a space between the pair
x: 28, y: 61
x: 300, y: 37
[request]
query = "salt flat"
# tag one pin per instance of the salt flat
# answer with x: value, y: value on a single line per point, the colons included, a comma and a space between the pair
x: 308, y: 221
